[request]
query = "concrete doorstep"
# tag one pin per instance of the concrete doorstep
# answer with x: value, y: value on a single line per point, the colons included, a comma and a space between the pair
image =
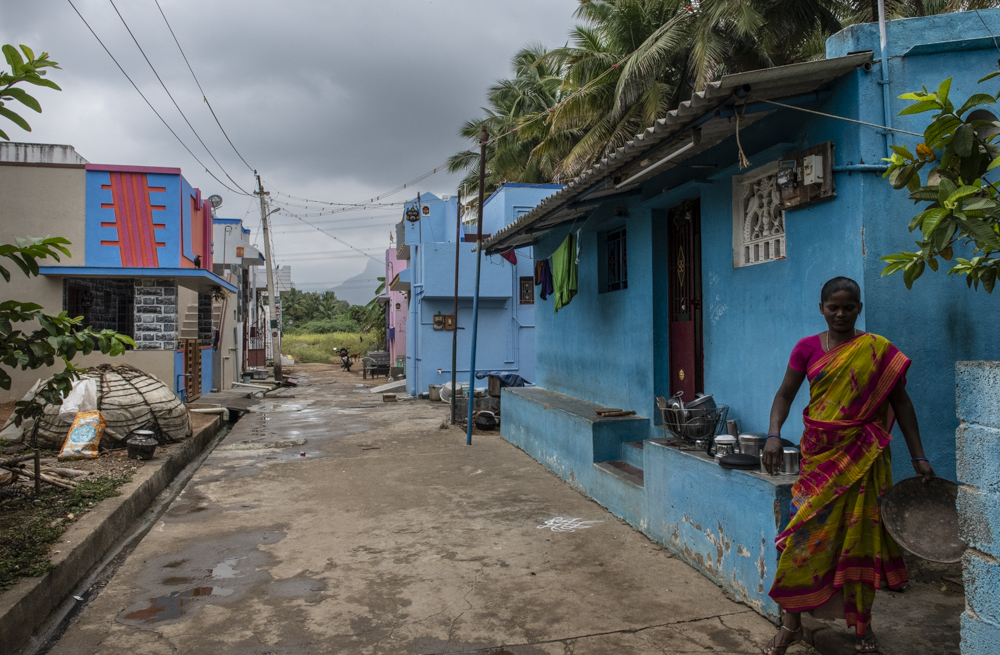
x: 28, y: 605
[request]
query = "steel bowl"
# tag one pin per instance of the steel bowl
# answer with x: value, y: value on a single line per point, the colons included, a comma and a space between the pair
x: 702, y: 401
x: 923, y: 519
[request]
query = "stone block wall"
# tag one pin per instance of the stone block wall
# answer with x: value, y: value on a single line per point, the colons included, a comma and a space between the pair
x: 156, y: 314
x: 978, y: 462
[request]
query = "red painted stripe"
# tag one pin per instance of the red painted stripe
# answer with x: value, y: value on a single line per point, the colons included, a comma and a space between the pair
x: 147, y: 221
x: 125, y: 202
x: 133, y: 223
x: 128, y: 205
x: 133, y: 169
x: 158, y: 189
x: 117, y: 197
x: 103, y: 224
x: 107, y: 205
x: 110, y: 243
x: 141, y: 226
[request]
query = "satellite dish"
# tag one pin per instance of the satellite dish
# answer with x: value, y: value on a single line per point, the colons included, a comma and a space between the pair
x: 215, y: 200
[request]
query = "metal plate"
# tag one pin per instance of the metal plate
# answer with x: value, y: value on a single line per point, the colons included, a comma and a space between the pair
x: 923, y: 519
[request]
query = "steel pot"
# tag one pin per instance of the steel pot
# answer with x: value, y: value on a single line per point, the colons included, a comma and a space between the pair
x: 141, y: 446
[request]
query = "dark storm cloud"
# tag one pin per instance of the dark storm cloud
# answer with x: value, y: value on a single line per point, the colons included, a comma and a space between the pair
x: 338, y: 100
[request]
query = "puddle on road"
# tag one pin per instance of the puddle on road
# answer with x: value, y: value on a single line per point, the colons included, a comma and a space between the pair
x: 162, y: 608
x: 226, y: 569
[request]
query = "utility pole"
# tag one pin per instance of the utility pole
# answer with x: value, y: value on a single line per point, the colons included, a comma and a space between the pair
x: 483, y: 140
x: 454, y: 332
x: 272, y: 297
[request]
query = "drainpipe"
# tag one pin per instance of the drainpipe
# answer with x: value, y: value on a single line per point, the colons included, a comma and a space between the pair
x: 483, y: 139
x: 887, y: 112
x: 454, y: 331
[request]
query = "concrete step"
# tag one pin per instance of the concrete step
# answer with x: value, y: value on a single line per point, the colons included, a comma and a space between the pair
x: 632, y: 453
x: 623, y: 471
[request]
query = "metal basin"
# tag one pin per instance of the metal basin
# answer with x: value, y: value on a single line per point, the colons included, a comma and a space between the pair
x: 923, y: 519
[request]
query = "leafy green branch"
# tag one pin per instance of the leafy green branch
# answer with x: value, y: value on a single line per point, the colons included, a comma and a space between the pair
x: 958, y: 151
x: 29, y: 71
x: 58, y: 336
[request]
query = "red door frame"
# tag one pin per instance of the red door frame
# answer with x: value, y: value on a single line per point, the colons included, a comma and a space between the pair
x: 687, y: 356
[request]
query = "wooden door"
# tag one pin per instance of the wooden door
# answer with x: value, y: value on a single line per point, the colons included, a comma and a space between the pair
x: 192, y: 366
x: 685, y: 324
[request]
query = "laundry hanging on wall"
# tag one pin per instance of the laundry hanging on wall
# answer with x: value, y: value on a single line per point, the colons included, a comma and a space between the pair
x: 543, y: 278
x: 564, y: 272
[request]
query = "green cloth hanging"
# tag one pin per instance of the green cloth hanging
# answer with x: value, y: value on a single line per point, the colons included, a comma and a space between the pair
x: 564, y: 272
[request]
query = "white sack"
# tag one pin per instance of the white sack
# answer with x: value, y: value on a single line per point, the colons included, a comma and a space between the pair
x: 83, y: 398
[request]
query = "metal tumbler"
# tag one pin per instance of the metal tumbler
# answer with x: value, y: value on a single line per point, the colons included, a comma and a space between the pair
x: 790, y: 461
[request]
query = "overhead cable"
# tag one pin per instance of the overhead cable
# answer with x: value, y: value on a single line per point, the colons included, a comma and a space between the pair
x: 167, y: 125
x: 170, y: 95
x: 204, y: 96
x: 492, y: 139
x: 313, y: 225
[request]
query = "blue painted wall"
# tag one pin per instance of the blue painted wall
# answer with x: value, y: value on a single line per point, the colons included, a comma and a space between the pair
x: 206, y: 372
x: 100, y: 219
x: 611, y: 348
x: 979, y: 502
x: 506, y: 327
x: 722, y: 522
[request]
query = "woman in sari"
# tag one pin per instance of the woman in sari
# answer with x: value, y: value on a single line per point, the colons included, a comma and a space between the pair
x: 835, y: 552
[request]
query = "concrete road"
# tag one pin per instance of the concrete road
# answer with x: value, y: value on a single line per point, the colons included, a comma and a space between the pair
x: 392, y: 536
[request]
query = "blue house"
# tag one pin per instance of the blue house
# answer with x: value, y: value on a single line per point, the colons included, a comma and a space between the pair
x: 699, y: 275
x: 427, y: 239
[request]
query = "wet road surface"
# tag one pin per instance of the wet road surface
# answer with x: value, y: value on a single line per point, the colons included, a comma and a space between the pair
x: 334, y: 523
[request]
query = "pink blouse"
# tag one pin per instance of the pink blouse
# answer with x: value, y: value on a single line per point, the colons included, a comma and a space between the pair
x: 807, y: 351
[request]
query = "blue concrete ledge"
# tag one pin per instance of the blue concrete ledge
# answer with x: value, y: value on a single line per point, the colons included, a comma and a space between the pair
x: 722, y: 522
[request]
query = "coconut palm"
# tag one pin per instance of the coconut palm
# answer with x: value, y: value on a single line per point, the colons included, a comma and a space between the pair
x: 631, y: 61
x: 514, y: 117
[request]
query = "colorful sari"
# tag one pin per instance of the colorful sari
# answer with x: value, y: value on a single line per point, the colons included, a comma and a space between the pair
x: 835, y: 542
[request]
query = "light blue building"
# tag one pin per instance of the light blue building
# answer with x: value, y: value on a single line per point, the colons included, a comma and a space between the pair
x: 698, y: 274
x: 506, y: 340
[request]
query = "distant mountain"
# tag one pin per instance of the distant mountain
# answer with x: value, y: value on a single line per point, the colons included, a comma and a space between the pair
x: 360, y: 289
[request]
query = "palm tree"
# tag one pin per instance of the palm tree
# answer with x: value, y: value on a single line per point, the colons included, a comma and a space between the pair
x: 631, y: 61
x: 514, y: 120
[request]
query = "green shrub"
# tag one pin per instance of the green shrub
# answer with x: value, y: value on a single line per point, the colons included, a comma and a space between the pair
x: 323, y: 348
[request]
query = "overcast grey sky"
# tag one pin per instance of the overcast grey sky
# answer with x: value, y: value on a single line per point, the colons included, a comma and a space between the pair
x: 328, y: 99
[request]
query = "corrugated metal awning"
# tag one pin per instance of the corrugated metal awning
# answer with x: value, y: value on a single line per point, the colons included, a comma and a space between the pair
x: 696, y: 125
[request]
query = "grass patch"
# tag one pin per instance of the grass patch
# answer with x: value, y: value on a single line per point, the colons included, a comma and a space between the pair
x: 29, y: 526
x: 320, y: 348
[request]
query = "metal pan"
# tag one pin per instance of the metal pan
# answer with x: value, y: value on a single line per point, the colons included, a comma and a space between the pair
x: 923, y: 519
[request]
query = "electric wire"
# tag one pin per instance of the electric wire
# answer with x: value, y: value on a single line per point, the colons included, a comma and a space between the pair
x: 313, y: 225
x: 170, y: 95
x: 204, y: 96
x: 134, y: 86
x: 825, y: 115
x: 492, y: 139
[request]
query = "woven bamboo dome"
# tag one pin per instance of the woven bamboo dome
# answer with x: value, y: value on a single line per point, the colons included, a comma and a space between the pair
x: 128, y: 399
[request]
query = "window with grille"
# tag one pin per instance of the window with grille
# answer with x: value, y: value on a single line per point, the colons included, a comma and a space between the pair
x: 758, y: 218
x: 616, y: 270
x: 527, y: 290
